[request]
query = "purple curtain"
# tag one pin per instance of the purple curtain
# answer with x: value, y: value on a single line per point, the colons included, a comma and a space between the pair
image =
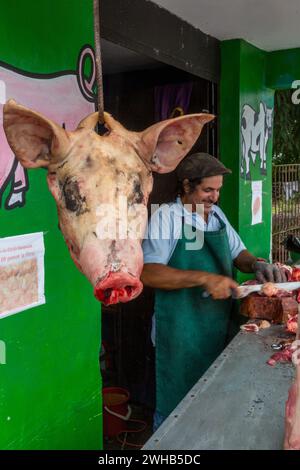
x: 169, y: 97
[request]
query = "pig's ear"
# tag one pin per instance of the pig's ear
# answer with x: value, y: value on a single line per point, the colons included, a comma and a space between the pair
x: 89, y: 122
x: 34, y: 139
x: 166, y: 143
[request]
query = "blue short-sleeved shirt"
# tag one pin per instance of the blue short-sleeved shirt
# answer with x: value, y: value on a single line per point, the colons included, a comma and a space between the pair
x: 165, y: 227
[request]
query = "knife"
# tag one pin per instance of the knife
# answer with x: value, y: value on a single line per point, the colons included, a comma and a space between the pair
x: 243, y: 291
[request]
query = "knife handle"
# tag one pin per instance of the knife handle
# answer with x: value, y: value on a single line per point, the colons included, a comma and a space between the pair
x: 206, y: 294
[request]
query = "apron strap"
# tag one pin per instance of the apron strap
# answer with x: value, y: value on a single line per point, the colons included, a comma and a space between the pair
x: 215, y: 214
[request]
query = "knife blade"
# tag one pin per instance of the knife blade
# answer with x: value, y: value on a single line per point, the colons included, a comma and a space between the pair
x: 243, y: 291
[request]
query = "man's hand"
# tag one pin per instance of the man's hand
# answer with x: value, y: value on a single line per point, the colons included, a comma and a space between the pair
x: 265, y: 272
x: 219, y: 287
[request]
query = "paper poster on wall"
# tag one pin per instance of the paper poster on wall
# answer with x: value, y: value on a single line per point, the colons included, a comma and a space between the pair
x: 21, y: 273
x: 256, y: 206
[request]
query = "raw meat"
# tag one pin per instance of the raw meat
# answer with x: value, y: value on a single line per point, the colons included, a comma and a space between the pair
x: 296, y: 274
x: 269, y: 289
x: 277, y: 310
x: 292, y: 324
x: 281, y: 356
x: 292, y: 410
x: 255, y: 325
x: 250, y: 327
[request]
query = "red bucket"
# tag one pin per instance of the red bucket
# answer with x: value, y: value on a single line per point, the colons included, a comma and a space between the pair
x: 116, y: 410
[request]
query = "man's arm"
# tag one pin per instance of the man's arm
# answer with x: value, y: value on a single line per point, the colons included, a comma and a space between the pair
x: 245, y: 262
x: 264, y: 272
x: 164, y: 277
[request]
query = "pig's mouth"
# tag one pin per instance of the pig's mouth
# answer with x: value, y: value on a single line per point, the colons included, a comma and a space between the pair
x: 117, y: 287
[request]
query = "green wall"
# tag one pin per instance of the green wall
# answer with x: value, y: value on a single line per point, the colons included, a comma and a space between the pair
x: 282, y: 68
x: 249, y: 76
x: 50, y: 386
x: 243, y: 83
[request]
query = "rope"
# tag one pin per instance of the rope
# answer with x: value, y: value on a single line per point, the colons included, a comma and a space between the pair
x: 124, y: 441
x: 98, y: 59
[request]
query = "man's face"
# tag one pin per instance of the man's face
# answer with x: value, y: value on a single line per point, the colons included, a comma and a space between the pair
x: 207, y: 192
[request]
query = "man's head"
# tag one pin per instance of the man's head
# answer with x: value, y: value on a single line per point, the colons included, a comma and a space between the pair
x: 200, y: 179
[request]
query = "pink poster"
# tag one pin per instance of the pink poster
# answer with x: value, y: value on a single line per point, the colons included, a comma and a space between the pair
x: 65, y: 97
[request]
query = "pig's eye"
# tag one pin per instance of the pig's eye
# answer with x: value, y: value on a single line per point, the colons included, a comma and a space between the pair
x: 74, y: 201
x: 137, y: 195
x: 88, y: 162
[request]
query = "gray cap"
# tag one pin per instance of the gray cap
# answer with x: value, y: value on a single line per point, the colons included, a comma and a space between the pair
x: 200, y: 165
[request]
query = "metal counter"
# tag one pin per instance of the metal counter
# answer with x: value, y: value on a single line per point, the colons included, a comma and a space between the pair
x: 239, y: 403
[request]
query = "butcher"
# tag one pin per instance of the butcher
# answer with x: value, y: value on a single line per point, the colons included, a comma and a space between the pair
x: 190, y: 250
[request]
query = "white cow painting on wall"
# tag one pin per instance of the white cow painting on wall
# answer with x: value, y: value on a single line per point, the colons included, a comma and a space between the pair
x: 256, y: 130
x: 63, y: 96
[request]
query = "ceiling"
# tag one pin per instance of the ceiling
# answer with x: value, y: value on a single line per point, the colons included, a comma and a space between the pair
x: 268, y: 24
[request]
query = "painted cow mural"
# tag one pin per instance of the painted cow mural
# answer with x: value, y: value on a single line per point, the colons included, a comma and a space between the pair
x: 256, y: 129
x: 64, y: 96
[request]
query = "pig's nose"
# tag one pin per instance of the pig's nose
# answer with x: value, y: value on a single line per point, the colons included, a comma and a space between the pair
x: 117, y: 287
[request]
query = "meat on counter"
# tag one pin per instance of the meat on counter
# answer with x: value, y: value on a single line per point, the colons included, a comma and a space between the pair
x: 292, y: 410
x: 275, y: 309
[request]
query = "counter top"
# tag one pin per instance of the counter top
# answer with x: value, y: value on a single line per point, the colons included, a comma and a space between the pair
x: 239, y: 403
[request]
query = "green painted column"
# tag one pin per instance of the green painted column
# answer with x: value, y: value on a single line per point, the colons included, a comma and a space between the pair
x: 282, y: 68
x: 245, y: 100
x: 50, y: 385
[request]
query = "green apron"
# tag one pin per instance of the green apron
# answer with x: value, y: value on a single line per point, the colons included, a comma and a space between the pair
x: 191, y: 330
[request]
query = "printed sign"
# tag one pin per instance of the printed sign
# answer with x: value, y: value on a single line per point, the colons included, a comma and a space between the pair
x: 256, y: 202
x: 21, y: 273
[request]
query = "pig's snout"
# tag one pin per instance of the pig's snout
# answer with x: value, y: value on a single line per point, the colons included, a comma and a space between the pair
x: 117, y: 287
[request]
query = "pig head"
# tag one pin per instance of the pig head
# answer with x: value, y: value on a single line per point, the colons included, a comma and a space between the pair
x: 101, y: 185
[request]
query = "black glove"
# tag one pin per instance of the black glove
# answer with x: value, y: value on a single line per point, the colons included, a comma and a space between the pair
x: 265, y: 272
